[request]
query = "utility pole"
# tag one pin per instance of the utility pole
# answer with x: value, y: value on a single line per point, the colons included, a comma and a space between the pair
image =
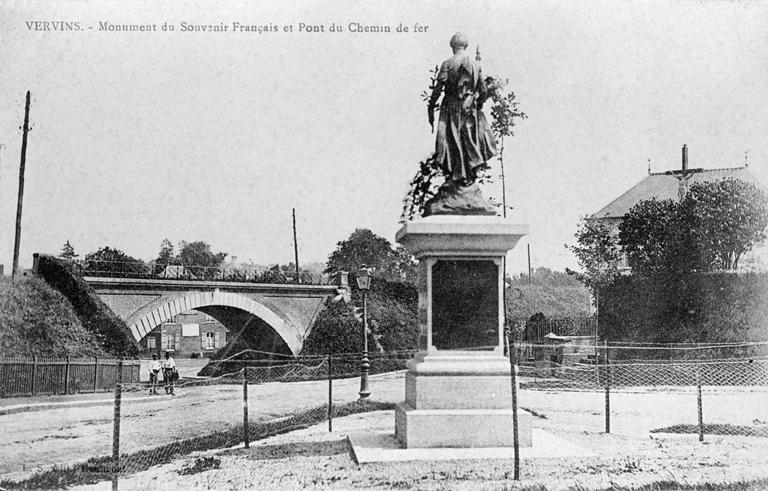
x: 2, y: 147
x: 17, y: 240
x: 295, y: 248
x: 529, y: 264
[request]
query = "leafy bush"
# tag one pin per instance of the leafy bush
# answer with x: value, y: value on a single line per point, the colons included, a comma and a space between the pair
x: 392, y: 321
x: 703, y: 307
x: 336, y: 331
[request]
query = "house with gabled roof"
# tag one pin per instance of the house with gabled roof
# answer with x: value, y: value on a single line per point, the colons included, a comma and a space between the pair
x: 674, y: 184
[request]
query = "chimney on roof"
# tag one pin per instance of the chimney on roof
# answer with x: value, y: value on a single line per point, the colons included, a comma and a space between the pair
x: 685, y: 157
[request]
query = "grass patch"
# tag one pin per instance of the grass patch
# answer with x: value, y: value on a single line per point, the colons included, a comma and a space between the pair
x: 755, y: 485
x: 715, y: 429
x: 201, y: 464
x: 100, y: 469
x: 35, y: 319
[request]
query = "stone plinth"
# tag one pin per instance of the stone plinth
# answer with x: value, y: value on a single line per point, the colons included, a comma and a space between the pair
x: 458, y: 390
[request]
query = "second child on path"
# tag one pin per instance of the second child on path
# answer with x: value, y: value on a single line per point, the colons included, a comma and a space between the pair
x: 154, y: 372
x: 169, y: 372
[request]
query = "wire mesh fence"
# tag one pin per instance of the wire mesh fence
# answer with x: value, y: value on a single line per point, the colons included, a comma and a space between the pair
x: 259, y: 397
x: 715, y: 389
x: 703, y: 391
x: 179, y: 418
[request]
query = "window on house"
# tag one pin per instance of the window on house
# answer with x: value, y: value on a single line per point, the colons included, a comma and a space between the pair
x: 151, y: 343
x: 210, y: 340
x: 171, y: 341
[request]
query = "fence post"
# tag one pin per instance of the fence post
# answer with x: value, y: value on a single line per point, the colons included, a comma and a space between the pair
x: 607, y: 391
x: 95, y: 372
x: 34, y: 374
x: 330, y: 393
x: 66, y: 376
x: 246, y: 436
x: 513, y: 372
x: 700, y: 411
x: 116, y: 425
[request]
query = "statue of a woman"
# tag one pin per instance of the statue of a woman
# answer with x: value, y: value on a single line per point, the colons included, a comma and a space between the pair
x: 464, y: 140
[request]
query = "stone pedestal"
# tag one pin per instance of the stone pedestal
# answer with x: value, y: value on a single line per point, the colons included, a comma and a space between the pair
x: 458, y: 390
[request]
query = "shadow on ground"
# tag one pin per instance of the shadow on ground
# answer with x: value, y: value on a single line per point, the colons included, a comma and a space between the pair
x: 288, y: 450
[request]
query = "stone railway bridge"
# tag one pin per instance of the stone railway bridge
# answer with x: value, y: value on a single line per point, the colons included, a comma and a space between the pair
x: 280, y: 316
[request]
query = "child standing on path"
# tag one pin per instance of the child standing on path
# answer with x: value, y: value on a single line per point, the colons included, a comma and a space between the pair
x: 169, y: 372
x: 154, y: 371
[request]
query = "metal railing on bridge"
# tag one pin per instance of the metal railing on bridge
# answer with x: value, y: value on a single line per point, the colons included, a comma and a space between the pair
x: 177, y: 271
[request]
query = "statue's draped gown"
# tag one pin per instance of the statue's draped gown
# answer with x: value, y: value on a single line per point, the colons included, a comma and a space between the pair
x: 464, y: 139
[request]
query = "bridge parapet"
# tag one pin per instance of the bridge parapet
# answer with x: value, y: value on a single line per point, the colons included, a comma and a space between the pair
x: 177, y: 271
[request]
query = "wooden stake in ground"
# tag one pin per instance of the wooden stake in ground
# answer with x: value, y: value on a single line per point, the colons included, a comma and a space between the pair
x: 246, y: 426
x: 17, y: 240
x: 116, y: 425
x: 513, y: 372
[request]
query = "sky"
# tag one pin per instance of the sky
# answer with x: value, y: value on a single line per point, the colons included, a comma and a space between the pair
x: 216, y: 136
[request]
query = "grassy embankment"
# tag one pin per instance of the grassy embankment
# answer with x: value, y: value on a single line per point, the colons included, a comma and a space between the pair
x: 37, y: 320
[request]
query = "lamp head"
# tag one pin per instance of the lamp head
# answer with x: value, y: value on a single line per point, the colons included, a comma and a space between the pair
x: 363, y: 278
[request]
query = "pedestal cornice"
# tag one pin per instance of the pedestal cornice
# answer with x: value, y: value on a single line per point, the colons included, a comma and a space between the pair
x: 460, y: 235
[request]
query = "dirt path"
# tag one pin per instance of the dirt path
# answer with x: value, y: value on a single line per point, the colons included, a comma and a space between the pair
x: 53, y: 437
x: 62, y: 436
x: 314, y: 459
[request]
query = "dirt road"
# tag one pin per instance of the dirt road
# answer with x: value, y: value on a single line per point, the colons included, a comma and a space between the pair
x: 44, y: 438
x: 38, y: 439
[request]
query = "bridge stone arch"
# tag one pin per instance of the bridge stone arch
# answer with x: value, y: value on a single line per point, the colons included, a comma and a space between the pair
x: 166, y: 307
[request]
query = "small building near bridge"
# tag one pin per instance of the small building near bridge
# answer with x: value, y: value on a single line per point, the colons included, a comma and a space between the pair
x: 189, y: 334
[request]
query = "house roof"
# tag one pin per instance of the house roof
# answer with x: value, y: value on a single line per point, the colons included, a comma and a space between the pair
x: 666, y: 185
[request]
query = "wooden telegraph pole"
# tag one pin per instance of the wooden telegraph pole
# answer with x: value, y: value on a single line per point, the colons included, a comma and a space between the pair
x: 17, y: 240
x: 295, y: 248
x: 2, y: 147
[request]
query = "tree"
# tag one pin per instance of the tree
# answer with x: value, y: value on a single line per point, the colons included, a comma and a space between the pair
x: 199, y: 260
x: 728, y: 217
x: 108, y: 261
x: 504, y: 111
x: 363, y: 247
x: 68, y: 252
x: 597, y: 253
x: 709, y: 230
x: 166, y: 255
x: 651, y: 238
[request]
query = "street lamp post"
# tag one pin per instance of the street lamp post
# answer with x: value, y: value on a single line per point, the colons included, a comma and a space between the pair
x: 364, y: 284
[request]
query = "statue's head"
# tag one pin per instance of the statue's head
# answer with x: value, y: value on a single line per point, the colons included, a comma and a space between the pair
x: 459, y: 41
